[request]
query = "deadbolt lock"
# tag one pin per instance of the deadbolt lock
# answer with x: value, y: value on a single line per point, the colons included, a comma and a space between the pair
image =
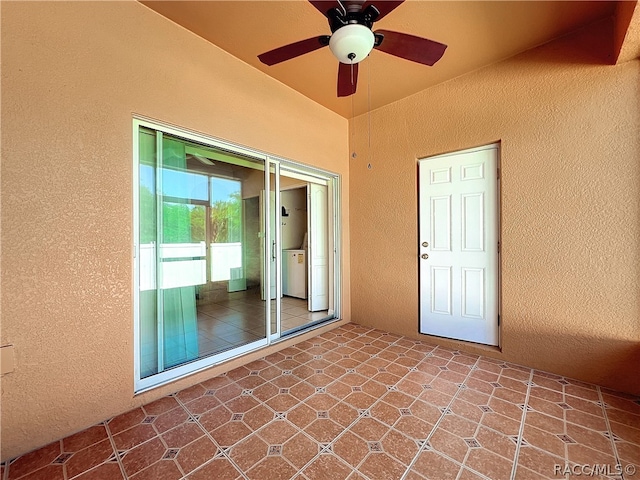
x: 424, y: 256
x: 425, y: 244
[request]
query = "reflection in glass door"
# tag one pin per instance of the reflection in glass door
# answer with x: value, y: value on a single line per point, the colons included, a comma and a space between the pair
x: 215, y: 227
x: 199, y: 294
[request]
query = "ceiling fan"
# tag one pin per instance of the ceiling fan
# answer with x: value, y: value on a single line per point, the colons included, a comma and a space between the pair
x: 352, y: 39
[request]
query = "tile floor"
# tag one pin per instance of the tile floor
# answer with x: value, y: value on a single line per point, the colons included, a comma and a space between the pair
x: 359, y: 403
x: 235, y: 319
x: 239, y: 319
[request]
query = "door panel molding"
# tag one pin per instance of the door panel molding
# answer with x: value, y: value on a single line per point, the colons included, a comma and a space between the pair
x: 458, y: 245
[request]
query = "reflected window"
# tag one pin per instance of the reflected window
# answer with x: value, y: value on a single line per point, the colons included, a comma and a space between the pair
x: 192, y: 251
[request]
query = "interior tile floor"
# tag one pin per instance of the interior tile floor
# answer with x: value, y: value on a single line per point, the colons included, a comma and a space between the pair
x: 358, y: 403
x: 238, y: 319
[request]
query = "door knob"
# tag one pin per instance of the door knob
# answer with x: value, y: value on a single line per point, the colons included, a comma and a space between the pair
x: 425, y: 244
x: 424, y: 256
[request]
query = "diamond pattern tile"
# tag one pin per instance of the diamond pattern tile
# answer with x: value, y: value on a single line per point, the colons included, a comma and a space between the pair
x: 356, y: 403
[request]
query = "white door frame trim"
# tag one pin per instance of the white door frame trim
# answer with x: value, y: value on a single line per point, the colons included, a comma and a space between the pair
x: 493, y: 146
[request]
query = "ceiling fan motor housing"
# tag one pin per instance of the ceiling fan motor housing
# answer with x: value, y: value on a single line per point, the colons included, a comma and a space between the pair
x: 351, y: 43
x: 352, y: 40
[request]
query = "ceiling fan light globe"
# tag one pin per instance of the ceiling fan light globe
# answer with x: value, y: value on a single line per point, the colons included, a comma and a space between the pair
x: 351, y: 43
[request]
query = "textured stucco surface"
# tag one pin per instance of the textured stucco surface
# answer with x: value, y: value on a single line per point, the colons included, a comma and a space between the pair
x: 73, y: 74
x: 568, y: 125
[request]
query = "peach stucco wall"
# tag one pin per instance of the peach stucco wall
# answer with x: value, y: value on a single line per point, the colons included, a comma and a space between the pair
x: 73, y: 75
x: 568, y: 125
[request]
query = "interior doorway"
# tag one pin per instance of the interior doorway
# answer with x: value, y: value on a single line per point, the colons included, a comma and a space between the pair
x: 305, y: 242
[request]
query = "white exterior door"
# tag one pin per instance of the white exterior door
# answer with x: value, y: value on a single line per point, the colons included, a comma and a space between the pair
x: 318, y: 248
x: 458, y: 251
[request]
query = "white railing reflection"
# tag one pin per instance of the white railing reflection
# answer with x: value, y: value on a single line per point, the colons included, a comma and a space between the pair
x: 224, y: 258
x: 180, y: 269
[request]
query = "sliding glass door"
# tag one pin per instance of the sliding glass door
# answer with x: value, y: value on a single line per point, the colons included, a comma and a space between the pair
x: 213, y: 252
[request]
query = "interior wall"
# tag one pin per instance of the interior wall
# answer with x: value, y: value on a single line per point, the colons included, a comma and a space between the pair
x: 252, y: 240
x: 294, y: 225
x: 568, y: 125
x: 73, y: 76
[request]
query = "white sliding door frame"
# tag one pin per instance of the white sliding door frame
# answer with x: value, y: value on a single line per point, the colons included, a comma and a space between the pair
x: 273, y: 252
x: 268, y: 162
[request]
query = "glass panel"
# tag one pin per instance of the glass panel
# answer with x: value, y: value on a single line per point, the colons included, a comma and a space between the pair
x: 182, y: 261
x: 147, y: 242
x: 181, y: 184
x: 200, y: 290
x: 226, y: 233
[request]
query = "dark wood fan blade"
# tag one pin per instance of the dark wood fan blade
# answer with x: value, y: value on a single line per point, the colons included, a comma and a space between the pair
x: 323, y: 6
x: 385, y: 6
x: 294, y: 50
x: 410, y: 47
x: 347, y: 79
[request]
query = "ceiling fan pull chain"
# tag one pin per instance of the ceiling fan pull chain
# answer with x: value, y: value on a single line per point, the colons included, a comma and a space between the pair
x: 369, y: 101
x: 352, y: 56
